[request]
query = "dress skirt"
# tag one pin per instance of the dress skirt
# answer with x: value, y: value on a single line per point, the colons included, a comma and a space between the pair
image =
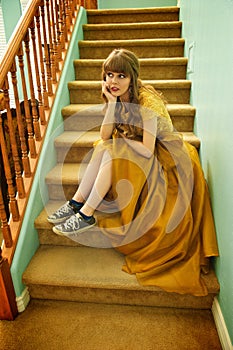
x: 162, y: 221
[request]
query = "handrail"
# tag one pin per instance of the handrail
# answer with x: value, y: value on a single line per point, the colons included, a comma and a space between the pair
x: 31, y: 67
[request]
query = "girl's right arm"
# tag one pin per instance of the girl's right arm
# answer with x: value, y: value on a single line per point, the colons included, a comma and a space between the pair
x: 109, y: 118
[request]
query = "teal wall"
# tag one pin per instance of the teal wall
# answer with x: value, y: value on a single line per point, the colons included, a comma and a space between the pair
x: 208, y: 28
x: 10, y: 17
x: 111, y: 4
x: 28, y: 240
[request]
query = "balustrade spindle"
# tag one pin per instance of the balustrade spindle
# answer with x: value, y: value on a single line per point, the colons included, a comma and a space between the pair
x: 35, y: 117
x: 21, y: 125
x: 54, y: 36
x: 13, y: 143
x: 37, y: 75
x: 58, y: 32
x: 69, y: 15
x: 46, y: 51
x: 73, y: 6
x: 9, y: 178
x: 42, y: 69
x: 65, y: 31
x: 28, y: 116
x: 51, y: 48
x: 61, y: 24
x: 4, y: 223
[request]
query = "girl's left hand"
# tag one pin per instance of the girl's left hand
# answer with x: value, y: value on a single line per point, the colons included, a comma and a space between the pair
x: 107, y: 92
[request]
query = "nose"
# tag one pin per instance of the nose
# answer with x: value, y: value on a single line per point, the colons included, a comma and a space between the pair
x: 114, y: 79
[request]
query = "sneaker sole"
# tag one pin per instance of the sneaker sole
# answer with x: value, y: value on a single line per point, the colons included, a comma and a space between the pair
x: 58, y: 221
x: 59, y: 233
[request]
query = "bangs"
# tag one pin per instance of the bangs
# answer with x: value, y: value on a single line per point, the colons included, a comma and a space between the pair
x: 117, y: 64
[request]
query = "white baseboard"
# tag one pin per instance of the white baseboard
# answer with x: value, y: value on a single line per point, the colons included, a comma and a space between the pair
x: 23, y: 300
x: 221, y: 326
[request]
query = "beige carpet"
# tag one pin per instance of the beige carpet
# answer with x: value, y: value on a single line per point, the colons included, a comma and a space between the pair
x: 67, y: 325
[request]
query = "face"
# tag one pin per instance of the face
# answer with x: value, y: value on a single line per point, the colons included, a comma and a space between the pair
x: 118, y: 84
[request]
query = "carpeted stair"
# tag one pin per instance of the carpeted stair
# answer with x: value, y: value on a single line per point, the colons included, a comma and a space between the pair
x: 65, y: 270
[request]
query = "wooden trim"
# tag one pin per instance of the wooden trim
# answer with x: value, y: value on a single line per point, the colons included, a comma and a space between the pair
x: 23, y: 300
x: 222, y: 330
x: 8, y: 306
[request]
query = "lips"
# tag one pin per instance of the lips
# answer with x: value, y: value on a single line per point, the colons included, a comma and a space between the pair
x: 115, y: 89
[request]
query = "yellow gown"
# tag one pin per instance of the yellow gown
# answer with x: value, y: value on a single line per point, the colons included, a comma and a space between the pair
x: 164, y: 224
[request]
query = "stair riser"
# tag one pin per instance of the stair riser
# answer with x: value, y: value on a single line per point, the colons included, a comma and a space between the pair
x: 133, y: 18
x: 58, y: 192
x: 94, y: 239
x: 47, y: 237
x: 72, y: 155
x: 171, y: 94
x: 81, y: 123
x: 118, y: 296
x: 156, y: 71
x: 183, y: 124
x: 122, y: 34
x: 158, y: 51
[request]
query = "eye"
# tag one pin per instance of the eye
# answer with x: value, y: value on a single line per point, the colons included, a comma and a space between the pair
x: 109, y: 74
x: 122, y: 76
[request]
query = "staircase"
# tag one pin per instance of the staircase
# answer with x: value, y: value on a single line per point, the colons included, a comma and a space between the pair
x: 63, y: 269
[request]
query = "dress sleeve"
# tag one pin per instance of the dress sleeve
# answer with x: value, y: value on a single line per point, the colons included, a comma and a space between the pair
x: 152, y: 106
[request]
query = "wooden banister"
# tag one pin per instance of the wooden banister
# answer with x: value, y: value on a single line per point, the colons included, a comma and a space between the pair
x: 29, y: 75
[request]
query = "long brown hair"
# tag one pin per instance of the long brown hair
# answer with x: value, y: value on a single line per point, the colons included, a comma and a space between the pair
x: 126, y: 62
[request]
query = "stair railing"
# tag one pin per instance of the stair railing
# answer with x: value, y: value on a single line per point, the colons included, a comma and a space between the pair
x: 29, y: 75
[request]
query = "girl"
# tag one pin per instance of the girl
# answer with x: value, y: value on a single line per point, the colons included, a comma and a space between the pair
x: 149, y: 183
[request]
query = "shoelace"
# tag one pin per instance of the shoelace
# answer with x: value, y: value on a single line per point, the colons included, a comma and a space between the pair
x: 72, y: 222
x: 65, y: 209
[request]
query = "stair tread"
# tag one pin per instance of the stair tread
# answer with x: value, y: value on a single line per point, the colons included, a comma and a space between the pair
x: 143, y: 61
x: 77, y: 139
x: 119, y: 11
x: 146, y: 25
x: 74, y: 108
x: 87, y: 84
x: 91, y: 109
x: 67, y: 172
x: 133, y: 10
x: 132, y: 42
x: 87, y: 138
x: 88, y: 267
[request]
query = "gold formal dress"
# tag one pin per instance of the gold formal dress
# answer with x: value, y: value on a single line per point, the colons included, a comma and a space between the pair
x: 163, y: 223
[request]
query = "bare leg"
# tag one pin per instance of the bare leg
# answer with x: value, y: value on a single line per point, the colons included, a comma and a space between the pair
x: 89, y: 178
x: 101, y: 185
x: 95, y: 184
